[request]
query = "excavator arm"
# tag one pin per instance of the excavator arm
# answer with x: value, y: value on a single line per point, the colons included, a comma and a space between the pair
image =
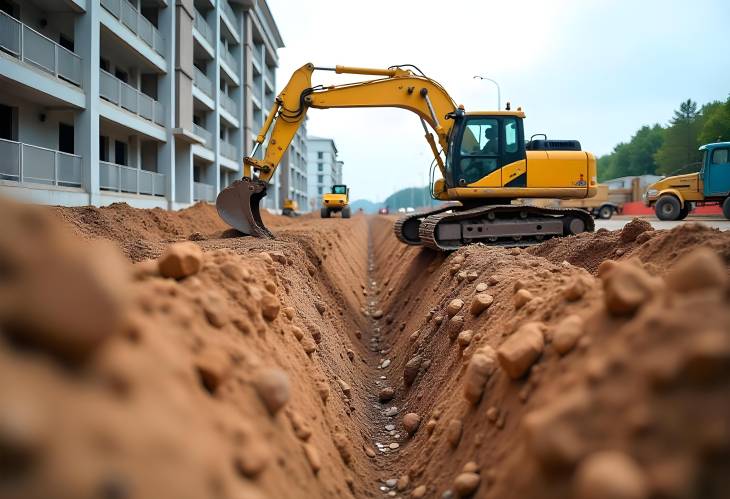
x: 238, y: 204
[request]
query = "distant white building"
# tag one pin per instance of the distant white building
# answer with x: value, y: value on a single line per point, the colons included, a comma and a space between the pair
x: 323, y: 168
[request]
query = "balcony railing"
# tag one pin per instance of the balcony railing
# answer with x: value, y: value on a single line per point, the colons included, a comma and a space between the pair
x: 228, y: 150
x: 230, y: 60
x: 202, y: 82
x: 116, y: 91
x: 26, y: 163
x: 30, y: 46
x: 203, y: 133
x: 203, y: 27
x: 257, y: 55
x: 137, y: 23
x: 257, y: 90
x: 229, y: 104
x: 228, y: 11
x: 120, y: 178
x: 203, y: 192
x: 269, y: 73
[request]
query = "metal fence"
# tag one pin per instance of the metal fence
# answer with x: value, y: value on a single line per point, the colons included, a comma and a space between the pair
x: 230, y: 60
x: 120, y: 178
x: 228, y: 150
x: 203, y: 133
x: 203, y: 192
x: 27, y: 163
x: 228, y: 104
x: 30, y: 46
x: 203, y: 27
x: 138, y: 24
x: 202, y: 82
x: 116, y: 91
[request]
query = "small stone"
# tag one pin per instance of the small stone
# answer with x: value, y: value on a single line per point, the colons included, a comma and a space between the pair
x: 480, y: 303
x: 454, y: 326
x: 377, y: 314
x: 350, y: 354
x: 575, y: 289
x: 390, y: 482
x: 213, y: 367
x: 454, y: 306
x: 369, y: 452
x: 567, y: 333
x: 346, y: 389
x: 411, y: 421
x: 272, y: 386
x: 278, y: 256
x: 480, y: 367
x: 431, y: 426
x: 389, y: 427
x: 299, y: 425
x: 461, y: 276
x: 323, y: 389
x: 288, y: 312
x: 411, y: 370
x: 390, y: 411
x: 312, y: 455
x: 394, y: 445
x: 320, y: 306
x: 493, y: 280
x: 385, y: 364
x: 253, y: 459
x: 458, y: 259
x: 269, y: 306
x: 402, y: 483
x: 609, y: 475
x: 308, y: 345
x: 702, y: 268
x: 180, y: 260
x: 297, y: 332
x: 521, y: 298
x: 492, y: 414
x: 316, y: 334
x: 627, y: 287
x: 453, y: 432
x: 481, y: 287
x: 470, y: 467
x: 517, y: 354
x: 465, y: 338
x: 419, y: 492
x: 472, y: 276
x: 466, y: 484
x: 386, y: 394
x: 342, y: 444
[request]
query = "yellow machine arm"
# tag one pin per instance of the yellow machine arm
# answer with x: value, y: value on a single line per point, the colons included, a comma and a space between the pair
x: 399, y: 88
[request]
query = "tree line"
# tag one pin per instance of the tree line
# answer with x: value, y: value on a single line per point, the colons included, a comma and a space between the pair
x: 671, y: 149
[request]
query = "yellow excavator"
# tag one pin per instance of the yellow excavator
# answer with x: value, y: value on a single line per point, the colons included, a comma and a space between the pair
x: 483, y: 159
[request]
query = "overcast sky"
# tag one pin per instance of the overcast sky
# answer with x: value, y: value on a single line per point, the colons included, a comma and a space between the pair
x: 592, y: 70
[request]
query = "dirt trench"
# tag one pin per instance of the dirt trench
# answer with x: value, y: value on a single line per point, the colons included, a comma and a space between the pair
x: 335, y: 362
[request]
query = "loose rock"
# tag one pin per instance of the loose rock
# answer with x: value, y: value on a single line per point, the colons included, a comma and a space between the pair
x: 567, y: 333
x: 466, y: 484
x: 700, y: 269
x: 454, y: 306
x: 269, y: 306
x: 521, y: 298
x: 411, y: 421
x: 626, y: 288
x: 272, y: 386
x: 419, y: 492
x: 377, y: 314
x: 411, y: 370
x: 575, y: 289
x: 465, y: 338
x: 481, y: 365
x: 386, y: 394
x: 521, y: 350
x: 454, y: 326
x: 480, y: 303
x: 312, y: 455
x: 180, y: 260
x: 453, y: 432
x: 609, y: 475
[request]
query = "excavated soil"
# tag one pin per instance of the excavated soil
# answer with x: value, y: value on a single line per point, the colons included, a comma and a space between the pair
x: 154, y: 354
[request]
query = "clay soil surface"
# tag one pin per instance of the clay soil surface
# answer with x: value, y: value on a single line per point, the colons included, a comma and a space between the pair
x: 153, y: 354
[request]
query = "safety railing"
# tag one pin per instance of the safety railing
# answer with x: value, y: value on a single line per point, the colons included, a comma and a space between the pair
x: 230, y: 60
x: 121, y: 178
x: 269, y: 73
x: 138, y: 24
x: 258, y: 55
x: 30, y: 46
x: 228, y: 11
x: 202, y: 82
x: 126, y: 96
x: 228, y: 104
x: 204, y: 134
x: 27, y: 163
x: 203, y: 192
x: 257, y: 90
x: 228, y: 150
x: 203, y: 27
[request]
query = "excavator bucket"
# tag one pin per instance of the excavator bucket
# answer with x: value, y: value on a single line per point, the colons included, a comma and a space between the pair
x: 238, y: 206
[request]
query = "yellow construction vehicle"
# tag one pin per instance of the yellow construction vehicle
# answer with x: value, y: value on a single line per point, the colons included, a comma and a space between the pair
x: 483, y: 159
x: 336, y: 201
x: 291, y: 208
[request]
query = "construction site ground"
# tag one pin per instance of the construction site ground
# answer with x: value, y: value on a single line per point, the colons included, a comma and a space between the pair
x: 153, y: 354
x: 618, y: 222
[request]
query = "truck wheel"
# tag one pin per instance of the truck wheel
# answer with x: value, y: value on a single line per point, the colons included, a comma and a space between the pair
x: 726, y: 208
x: 684, y: 211
x: 668, y: 208
x: 605, y: 212
x: 324, y: 213
x: 346, y: 212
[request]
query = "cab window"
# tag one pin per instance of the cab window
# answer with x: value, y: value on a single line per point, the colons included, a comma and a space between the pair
x: 510, y: 135
x: 720, y: 157
x: 339, y: 189
x: 481, y: 138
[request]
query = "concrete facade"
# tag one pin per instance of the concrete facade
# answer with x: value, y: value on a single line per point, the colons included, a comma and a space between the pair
x: 323, y: 169
x: 150, y: 102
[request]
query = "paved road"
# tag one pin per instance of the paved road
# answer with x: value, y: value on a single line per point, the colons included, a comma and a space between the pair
x: 618, y: 222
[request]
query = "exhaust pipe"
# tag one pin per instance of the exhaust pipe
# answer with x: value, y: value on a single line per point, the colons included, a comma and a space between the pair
x: 238, y: 206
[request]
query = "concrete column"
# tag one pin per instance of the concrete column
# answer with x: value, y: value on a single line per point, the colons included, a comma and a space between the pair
x: 86, y: 123
x: 212, y: 176
x: 248, y: 127
x: 166, y: 96
x: 183, y: 173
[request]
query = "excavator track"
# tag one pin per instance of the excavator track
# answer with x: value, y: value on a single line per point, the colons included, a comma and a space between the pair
x: 406, y: 228
x: 501, y: 225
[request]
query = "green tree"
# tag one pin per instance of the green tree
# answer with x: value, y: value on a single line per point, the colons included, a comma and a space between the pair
x: 679, y: 150
x: 633, y: 158
x: 716, y: 122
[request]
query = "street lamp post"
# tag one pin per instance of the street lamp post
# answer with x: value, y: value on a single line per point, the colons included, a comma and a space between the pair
x: 499, y: 96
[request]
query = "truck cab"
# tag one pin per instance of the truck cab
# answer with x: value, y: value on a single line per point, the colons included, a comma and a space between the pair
x: 672, y: 197
x: 338, y: 200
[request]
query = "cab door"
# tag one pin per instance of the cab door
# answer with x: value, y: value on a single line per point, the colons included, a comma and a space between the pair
x: 717, y: 174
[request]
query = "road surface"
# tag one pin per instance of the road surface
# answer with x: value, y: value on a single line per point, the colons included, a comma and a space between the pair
x: 616, y: 223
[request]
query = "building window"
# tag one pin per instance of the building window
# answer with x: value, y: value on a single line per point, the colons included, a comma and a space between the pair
x: 320, y: 179
x: 320, y: 155
x: 320, y: 167
x: 319, y: 190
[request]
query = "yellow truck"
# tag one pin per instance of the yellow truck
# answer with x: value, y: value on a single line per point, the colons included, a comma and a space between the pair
x: 291, y: 208
x: 336, y: 201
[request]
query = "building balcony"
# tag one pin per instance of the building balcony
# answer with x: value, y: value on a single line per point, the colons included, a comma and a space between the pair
x: 204, y: 29
x: 203, y: 192
x: 204, y: 134
x: 120, y: 178
x: 38, y: 165
x: 228, y: 150
x: 258, y: 58
x: 229, y: 18
x: 127, y: 97
x: 229, y: 108
x: 202, y: 82
x: 29, y: 46
x: 230, y: 61
x: 126, y: 14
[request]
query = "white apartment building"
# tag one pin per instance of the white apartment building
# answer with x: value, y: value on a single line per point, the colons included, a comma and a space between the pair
x: 323, y: 169
x: 149, y: 102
